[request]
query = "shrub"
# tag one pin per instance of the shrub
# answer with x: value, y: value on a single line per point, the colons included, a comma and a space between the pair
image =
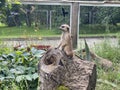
x: 18, y: 69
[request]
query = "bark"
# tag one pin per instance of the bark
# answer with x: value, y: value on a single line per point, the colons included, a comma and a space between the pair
x: 105, y: 63
x: 56, y: 69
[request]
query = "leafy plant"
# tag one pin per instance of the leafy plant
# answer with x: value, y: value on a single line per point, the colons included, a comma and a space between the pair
x: 18, y: 69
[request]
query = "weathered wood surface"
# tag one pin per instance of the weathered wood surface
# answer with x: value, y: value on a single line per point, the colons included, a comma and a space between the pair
x: 56, y: 69
x: 105, y: 63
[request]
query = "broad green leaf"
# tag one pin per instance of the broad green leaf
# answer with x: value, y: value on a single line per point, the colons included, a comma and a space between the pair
x: 16, y: 71
x: 2, y: 78
x: 4, y: 56
x: 38, y: 55
x: 11, y: 55
x: 19, y: 52
x: 20, y: 78
x: 26, y: 54
x: 5, y: 62
x: 35, y: 76
x: 33, y: 50
x: 21, y: 69
x: 1, y: 59
x: 30, y: 70
x: 10, y: 77
x: 28, y: 77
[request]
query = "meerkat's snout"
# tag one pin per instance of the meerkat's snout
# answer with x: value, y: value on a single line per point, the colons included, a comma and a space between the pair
x: 61, y: 28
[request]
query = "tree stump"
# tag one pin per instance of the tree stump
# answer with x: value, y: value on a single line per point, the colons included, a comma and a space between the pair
x: 56, y: 69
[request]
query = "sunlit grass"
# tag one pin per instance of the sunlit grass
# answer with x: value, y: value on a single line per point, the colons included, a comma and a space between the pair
x: 23, y: 31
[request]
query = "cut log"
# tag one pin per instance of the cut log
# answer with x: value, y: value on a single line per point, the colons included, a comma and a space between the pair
x: 105, y: 63
x: 56, y: 69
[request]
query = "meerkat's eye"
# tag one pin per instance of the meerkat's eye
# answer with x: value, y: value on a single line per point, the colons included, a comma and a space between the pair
x: 63, y: 26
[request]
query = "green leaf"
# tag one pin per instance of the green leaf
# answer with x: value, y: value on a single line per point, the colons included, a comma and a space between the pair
x: 15, y: 71
x: 4, y: 56
x: 11, y: 56
x: 19, y: 52
x: 17, y: 2
x: 21, y: 69
x: 33, y: 50
x: 5, y: 62
x: 28, y: 77
x: 10, y: 77
x: 35, y: 76
x: 20, y: 78
x: 2, y: 78
x: 30, y: 70
x: 1, y: 59
x: 87, y: 51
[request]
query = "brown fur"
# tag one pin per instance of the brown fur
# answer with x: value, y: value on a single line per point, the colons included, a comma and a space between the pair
x: 66, y: 41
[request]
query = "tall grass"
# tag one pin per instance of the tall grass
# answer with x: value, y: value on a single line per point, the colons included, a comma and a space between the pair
x: 109, y: 51
x: 109, y: 79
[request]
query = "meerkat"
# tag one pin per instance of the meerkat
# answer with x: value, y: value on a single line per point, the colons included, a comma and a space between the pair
x: 66, y: 40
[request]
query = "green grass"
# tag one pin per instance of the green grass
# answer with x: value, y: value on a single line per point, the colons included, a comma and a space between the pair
x: 108, y: 79
x: 99, y: 35
x: 26, y: 32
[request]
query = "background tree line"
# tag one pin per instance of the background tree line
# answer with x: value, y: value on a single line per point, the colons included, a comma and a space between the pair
x: 42, y: 16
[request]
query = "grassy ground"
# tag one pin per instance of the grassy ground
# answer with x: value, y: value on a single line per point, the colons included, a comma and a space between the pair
x: 18, y: 32
x: 108, y: 79
x: 24, y: 32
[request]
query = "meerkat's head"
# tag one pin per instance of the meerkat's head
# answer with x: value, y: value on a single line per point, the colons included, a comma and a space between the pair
x: 64, y: 27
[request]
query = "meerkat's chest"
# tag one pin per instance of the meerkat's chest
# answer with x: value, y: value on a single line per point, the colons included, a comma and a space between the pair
x: 65, y: 37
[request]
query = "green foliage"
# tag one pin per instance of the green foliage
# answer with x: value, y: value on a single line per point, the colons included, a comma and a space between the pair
x: 106, y: 50
x: 98, y: 29
x: 18, y: 69
x: 2, y: 3
x: 108, y: 79
x: 87, y: 51
x: 62, y: 88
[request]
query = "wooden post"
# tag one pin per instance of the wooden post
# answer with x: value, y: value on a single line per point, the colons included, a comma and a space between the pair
x: 74, y: 23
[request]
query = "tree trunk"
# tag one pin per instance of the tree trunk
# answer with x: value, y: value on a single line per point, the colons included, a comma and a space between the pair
x: 56, y: 69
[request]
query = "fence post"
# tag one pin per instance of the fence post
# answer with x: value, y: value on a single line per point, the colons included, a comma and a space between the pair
x: 74, y: 23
